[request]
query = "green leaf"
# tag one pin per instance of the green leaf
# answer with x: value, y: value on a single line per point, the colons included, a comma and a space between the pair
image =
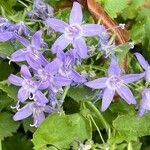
x: 61, y: 131
x: 81, y: 93
x: 137, y: 33
x: 10, y: 90
x: 7, y: 5
x: 7, y: 125
x: 132, y: 10
x: 132, y: 126
x: 6, y: 49
x: 121, y: 52
x: 5, y: 101
x: 17, y: 142
x: 6, y: 70
x: 115, y: 7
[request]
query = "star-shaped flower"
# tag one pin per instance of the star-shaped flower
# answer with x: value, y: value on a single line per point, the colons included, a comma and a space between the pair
x: 31, y: 49
x: 29, y: 88
x: 74, y: 32
x: 35, y: 109
x: 115, y: 83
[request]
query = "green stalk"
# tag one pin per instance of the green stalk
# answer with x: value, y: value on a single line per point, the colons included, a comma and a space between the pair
x: 129, y: 146
x: 98, y: 130
x: 98, y: 113
x: 65, y: 92
x: 0, y: 144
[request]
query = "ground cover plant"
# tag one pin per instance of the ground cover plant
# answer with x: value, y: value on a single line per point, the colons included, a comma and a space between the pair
x: 74, y: 74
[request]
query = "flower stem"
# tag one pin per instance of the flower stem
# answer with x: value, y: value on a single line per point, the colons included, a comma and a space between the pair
x: 0, y: 144
x: 65, y: 92
x: 129, y: 146
x: 98, y: 130
x: 103, y: 121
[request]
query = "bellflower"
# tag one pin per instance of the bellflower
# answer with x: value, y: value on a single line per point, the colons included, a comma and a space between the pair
x: 35, y: 109
x: 145, y: 102
x: 115, y: 83
x: 67, y: 70
x: 41, y: 10
x: 104, y: 44
x: 145, y: 65
x: 29, y: 88
x: 48, y: 77
x: 19, y: 28
x: 74, y: 32
x: 31, y: 49
x: 4, y: 23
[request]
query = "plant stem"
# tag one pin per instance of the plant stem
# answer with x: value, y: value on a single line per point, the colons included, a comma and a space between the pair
x: 65, y: 92
x: 98, y: 113
x: 129, y: 146
x: 0, y: 144
x: 98, y: 130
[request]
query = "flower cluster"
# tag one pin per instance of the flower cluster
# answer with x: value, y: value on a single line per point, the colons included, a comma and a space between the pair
x: 41, y: 80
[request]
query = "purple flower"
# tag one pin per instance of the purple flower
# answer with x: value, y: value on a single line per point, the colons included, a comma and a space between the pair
x: 5, y: 36
x: 115, y: 83
x: 48, y: 77
x: 4, y: 23
x: 105, y: 45
x: 74, y: 32
x: 67, y: 70
x: 29, y: 88
x: 145, y: 102
x: 19, y: 28
x: 145, y: 65
x: 35, y: 109
x: 31, y: 50
x: 41, y: 10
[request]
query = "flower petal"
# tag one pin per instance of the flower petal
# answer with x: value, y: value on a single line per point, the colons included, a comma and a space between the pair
x: 142, y: 60
x: 76, y: 14
x: 5, y: 36
x: 77, y: 78
x: 37, y: 39
x: 92, y: 29
x: 23, y: 95
x: 22, y: 40
x: 53, y: 66
x: 25, y: 73
x: 23, y: 113
x: 60, y: 44
x: 132, y: 77
x: 126, y: 94
x: 99, y: 83
x: 107, y: 98
x: 81, y: 47
x: 13, y: 79
x: 40, y: 97
x: 43, y: 85
x: 62, y: 81
x: 57, y: 25
x: 38, y: 119
x: 19, y: 55
x: 114, y: 68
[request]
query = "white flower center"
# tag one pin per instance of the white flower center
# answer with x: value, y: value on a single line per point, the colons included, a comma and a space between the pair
x: 114, y: 82
x: 43, y: 75
x: 29, y: 85
x: 73, y: 32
